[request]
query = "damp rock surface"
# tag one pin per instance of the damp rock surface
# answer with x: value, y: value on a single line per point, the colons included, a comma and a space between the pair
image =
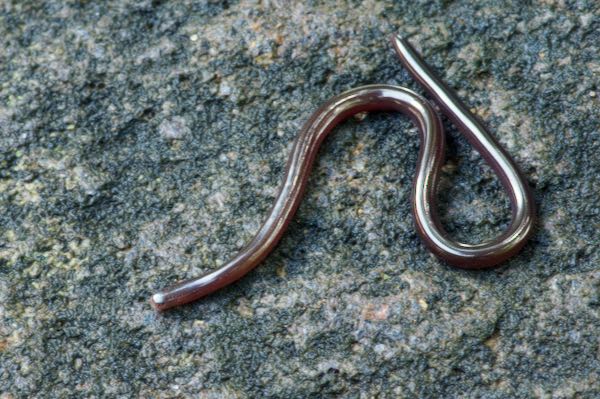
x: 142, y: 142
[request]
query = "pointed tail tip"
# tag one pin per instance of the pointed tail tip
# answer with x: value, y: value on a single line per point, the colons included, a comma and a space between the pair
x: 402, y: 37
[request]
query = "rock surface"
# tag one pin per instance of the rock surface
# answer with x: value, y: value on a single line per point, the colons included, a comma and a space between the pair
x: 142, y: 142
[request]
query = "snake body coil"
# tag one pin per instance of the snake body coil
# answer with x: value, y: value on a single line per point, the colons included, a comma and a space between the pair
x: 431, y: 155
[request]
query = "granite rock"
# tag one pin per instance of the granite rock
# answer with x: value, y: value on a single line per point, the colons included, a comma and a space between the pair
x: 142, y: 142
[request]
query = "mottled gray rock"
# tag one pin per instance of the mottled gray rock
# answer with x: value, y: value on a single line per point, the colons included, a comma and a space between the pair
x: 142, y: 142
x: 174, y: 129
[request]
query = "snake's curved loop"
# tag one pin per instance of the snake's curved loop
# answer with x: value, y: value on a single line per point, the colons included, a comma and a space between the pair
x: 431, y: 154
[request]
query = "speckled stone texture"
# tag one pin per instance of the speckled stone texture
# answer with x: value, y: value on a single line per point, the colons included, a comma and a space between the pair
x: 142, y: 142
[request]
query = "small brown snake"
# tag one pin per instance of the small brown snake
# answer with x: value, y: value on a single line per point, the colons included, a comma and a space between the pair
x: 382, y: 97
